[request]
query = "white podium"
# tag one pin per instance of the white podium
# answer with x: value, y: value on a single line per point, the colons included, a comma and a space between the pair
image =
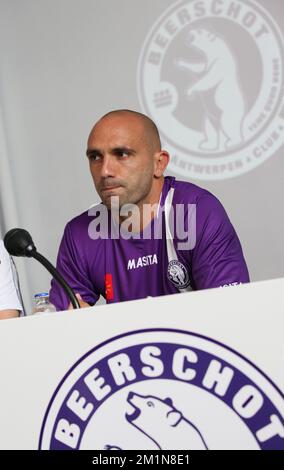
x: 202, y: 370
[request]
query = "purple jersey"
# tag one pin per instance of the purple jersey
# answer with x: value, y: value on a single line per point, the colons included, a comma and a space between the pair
x: 126, y: 269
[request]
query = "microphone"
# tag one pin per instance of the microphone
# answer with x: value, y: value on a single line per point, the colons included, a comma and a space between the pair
x: 18, y: 242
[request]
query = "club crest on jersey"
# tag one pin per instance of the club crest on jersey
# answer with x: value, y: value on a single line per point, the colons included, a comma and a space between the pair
x: 178, y: 274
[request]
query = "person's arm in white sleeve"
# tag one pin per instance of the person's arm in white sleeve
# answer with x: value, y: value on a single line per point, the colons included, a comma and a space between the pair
x: 10, y: 306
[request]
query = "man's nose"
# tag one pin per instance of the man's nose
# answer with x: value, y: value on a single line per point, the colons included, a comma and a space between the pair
x: 108, y: 166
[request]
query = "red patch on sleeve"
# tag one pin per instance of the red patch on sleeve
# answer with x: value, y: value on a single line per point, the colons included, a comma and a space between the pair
x: 109, y: 287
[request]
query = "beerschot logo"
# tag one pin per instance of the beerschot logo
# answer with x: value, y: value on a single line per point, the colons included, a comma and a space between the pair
x: 210, y: 74
x: 164, y: 389
x: 178, y: 275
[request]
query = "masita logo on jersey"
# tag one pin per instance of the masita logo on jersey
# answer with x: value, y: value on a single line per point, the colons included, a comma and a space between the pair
x: 164, y: 389
x: 142, y: 261
x: 210, y: 74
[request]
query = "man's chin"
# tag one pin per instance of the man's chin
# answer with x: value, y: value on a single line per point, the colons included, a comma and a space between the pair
x: 113, y: 202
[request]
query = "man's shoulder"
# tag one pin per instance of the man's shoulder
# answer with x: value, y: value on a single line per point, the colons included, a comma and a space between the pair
x: 185, y: 191
x: 79, y: 226
x: 207, y: 204
x: 78, y: 221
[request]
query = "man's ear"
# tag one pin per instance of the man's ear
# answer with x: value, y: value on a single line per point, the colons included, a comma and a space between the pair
x: 161, y: 160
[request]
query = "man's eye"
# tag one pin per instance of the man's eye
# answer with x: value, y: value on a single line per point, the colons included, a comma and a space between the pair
x: 94, y: 157
x: 122, y: 153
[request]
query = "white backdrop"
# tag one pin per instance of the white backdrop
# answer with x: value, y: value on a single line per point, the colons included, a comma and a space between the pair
x: 64, y: 63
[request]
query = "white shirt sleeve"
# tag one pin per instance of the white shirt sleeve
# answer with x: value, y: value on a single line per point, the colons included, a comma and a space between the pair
x: 8, y: 294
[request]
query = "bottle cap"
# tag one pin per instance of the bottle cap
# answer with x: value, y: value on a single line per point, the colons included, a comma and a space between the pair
x: 42, y: 294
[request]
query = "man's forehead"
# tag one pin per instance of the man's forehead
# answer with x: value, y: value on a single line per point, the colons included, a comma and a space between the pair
x: 123, y: 128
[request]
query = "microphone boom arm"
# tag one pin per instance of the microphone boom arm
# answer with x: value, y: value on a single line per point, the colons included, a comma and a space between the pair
x: 70, y: 293
x: 18, y: 242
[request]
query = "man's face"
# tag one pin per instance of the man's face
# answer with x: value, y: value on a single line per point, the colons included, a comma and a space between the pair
x: 121, y: 160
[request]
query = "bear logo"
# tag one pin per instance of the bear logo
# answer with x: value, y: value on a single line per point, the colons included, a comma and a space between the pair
x: 213, y: 84
x: 113, y: 397
x: 161, y: 422
x: 178, y: 275
x: 218, y: 74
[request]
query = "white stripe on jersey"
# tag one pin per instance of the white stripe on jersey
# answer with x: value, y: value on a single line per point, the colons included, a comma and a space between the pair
x: 172, y: 255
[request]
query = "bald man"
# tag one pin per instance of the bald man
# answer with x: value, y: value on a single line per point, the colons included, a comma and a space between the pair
x: 128, y: 247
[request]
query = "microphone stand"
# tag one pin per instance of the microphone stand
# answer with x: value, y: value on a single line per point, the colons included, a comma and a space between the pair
x: 18, y: 242
x: 70, y: 293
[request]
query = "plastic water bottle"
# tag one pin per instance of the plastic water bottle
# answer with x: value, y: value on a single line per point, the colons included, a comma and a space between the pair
x: 42, y: 303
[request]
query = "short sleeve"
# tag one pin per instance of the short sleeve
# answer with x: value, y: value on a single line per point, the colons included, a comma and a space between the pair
x: 72, y: 266
x: 8, y: 293
x: 218, y: 258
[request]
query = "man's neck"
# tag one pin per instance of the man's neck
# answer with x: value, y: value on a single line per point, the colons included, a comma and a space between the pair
x: 147, y: 209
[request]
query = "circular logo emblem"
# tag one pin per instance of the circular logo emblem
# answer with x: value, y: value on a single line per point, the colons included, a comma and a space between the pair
x: 210, y: 74
x: 178, y: 275
x: 164, y: 389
